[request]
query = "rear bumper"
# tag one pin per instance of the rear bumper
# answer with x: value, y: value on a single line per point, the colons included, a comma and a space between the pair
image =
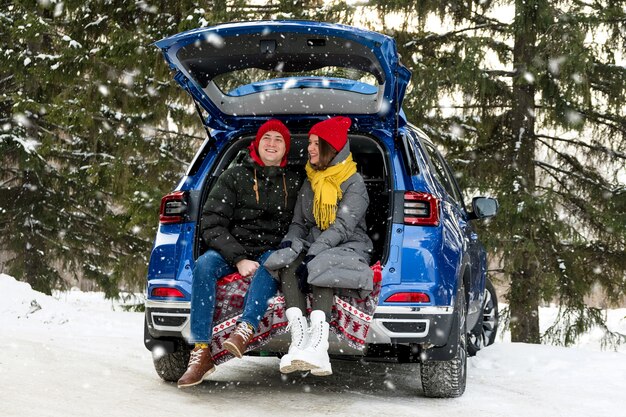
x: 168, y: 319
x: 390, y: 325
x: 403, y: 325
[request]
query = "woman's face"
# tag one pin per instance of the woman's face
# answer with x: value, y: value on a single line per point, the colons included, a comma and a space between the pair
x: 314, y: 149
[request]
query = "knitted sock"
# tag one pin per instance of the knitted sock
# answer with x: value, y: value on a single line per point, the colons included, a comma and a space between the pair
x: 202, y: 345
x: 251, y: 327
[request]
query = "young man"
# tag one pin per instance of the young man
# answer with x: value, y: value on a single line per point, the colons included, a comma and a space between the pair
x: 245, y: 215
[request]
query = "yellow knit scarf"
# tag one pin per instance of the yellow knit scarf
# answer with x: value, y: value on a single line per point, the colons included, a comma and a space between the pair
x: 327, y: 191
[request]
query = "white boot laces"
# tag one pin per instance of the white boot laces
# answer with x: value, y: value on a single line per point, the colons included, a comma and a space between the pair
x: 315, y: 331
x: 296, y: 331
x: 244, y: 331
x: 195, y: 357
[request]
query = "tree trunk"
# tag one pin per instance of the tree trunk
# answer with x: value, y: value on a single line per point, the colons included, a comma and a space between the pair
x: 524, y: 306
x: 524, y: 297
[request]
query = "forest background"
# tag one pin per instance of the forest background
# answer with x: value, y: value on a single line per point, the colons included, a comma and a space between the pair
x: 525, y: 98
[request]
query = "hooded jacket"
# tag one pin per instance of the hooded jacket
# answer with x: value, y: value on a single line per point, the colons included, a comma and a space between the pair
x: 236, y: 225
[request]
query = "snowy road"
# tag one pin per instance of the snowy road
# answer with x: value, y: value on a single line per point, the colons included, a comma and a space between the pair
x: 76, y: 357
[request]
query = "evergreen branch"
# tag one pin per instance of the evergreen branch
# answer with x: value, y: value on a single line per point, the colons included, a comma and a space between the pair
x: 567, y: 197
x: 605, y: 119
x: 160, y: 130
x: 617, y: 122
x: 599, y: 148
x: 261, y: 7
x: 171, y: 155
x: 578, y: 175
x: 488, y: 147
x: 573, y: 162
x: 601, y: 118
x: 500, y: 73
x: 186, y: 135
x: 573, y: 321
x: 52, y: 241
x: 597, y: 7
x: 578, y: 203
x: 9, y: 78
x: 2, y: 184
x: 445, y: 36
x: 472, y: 106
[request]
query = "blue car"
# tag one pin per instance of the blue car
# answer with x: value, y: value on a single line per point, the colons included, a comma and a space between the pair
x: 435, y: 306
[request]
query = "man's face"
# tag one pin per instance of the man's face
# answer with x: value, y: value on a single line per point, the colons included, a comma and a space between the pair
x: 272, y: 148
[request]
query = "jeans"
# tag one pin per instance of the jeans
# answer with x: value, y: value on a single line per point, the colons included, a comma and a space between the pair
x: 210, y: 267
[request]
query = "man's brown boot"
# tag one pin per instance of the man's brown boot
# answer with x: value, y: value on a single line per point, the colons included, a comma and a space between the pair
x: 200, y: 366
x: 239, y: 339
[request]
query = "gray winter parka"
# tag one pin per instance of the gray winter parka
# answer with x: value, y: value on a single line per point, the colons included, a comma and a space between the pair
x: 342, y: 252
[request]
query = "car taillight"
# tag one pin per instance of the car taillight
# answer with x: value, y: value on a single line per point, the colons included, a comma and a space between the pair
x: 408, y: 297
x: 167, y: 292
x: 421, y: 209
x: 173, y: 207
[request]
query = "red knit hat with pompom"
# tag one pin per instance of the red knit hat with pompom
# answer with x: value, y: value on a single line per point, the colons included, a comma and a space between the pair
x: 334, y: 131
x: 273, y: 125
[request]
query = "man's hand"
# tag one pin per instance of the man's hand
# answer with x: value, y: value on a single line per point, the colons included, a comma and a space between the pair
x: 246, y: 267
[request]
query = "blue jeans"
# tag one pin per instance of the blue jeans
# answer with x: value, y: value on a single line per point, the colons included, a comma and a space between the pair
x: 210, y: 267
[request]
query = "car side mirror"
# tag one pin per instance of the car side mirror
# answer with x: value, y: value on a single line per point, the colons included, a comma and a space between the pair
x: 484, y: 207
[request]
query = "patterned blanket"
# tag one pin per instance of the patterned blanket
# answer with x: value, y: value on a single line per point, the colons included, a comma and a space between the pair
x: 350, y: 321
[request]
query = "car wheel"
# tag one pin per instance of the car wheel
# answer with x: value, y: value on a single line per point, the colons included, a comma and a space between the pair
x: 171, y: 366
x: 447, y: 379
x: 484, y: 333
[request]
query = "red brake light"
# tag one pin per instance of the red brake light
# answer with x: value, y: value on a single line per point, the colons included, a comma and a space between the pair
x: 421, y: 209
x: 173, y: 207
x: 408, y: 297
x: 167, y: 292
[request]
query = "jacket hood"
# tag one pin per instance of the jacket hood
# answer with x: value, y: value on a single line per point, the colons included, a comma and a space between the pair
x: 342, y: 155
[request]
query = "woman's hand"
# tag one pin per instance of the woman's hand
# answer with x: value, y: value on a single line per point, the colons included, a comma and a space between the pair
x: 284, y: 244
x: 302, y: 273
x: 246, y: 267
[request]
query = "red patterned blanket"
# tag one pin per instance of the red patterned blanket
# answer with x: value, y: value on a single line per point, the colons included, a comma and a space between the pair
x: 350, y: 320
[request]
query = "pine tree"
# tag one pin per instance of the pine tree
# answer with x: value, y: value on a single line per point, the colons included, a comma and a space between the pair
x: 87, y: 149
x: 95, y: 131
x: 536, y: 118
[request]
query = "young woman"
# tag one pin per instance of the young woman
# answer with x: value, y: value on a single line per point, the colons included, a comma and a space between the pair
x: 328, y: 239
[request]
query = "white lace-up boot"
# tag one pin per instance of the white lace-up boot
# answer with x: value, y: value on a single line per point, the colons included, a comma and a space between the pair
x: 299, y: 338
x: 314, y: 356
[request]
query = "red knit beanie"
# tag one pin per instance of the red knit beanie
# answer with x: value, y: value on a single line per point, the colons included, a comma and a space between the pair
x: 273, y: 125
x: 334, y: 131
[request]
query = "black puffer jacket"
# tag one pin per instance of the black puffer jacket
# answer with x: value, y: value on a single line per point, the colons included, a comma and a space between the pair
x: 235, y: 224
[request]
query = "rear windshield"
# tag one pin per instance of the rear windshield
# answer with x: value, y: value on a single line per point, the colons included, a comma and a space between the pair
x: 230, y: 83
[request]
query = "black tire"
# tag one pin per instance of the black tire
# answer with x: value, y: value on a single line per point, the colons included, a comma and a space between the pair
x: 171, y: 366
x: 447, y: 379
x: 484, y: 333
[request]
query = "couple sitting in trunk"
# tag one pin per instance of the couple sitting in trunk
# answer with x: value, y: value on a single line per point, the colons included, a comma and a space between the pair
x: 259, y: 222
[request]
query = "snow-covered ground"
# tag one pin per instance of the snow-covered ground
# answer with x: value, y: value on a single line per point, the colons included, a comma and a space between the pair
x: 77, y: 354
